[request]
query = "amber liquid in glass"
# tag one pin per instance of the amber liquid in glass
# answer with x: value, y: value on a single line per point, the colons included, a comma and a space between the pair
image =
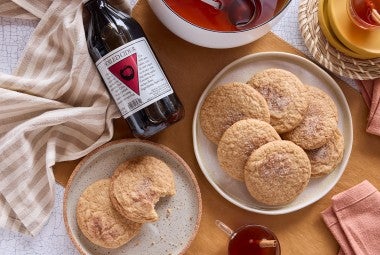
x: 363, y: 9
x: 206, y: 16
x: 111, y: 29
x: 246, y: 242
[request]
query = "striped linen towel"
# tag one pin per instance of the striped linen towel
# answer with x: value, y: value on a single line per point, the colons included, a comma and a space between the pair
x: 53, y: 108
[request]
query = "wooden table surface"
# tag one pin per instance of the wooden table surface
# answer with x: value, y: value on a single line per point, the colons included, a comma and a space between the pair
x: 190, y: 69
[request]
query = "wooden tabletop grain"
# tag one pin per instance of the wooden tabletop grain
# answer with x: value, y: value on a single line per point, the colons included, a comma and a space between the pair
x: 190, y: 68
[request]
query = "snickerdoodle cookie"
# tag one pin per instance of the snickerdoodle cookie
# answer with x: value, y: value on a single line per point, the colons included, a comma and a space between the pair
x: 319, y: 123
x: 99, y: 221
x: 325, y: 159
x: 229, y: 103
x: 138, y: 184
x: 277, y: 172
x: 239, y: 141
x: 285, y: 95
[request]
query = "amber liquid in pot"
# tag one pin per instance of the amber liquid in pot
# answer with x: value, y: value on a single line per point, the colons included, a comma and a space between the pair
x: 206, y: 16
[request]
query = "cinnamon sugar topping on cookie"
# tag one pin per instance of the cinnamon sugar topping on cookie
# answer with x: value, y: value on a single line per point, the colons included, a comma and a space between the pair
x: 277, y: 172
x: 228, y: 104
x: 238, y: 143
x: 99, y: 221
x: 319, y: 124
x: 138, y: 184
x: 285, y: 95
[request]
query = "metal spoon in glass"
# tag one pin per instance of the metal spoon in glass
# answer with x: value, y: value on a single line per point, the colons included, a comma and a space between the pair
x: 240, y: 12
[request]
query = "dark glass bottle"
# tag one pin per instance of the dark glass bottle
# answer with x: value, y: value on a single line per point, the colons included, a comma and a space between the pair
x: 130, y: 70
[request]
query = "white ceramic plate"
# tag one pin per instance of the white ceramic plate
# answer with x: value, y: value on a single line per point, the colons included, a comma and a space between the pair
x: 179, y: 215
x: 241, y: 70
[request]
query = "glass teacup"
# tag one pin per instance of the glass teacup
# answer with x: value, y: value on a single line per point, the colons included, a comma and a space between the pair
x: 251, y: 239
x: 364, y: 13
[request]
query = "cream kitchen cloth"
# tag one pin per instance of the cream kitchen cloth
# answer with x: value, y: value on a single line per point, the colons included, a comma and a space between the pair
x: 54, y: 107
x: 32, y: 9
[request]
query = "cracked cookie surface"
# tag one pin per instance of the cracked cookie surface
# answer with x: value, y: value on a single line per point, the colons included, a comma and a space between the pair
x: 285, y: 95
x: 138, y: 184
x: 277, y: 172
x: 229, y: 103
x: 325, y: 159
x: 239, y: 141
x: 99, y: 221
x: 318, y: 126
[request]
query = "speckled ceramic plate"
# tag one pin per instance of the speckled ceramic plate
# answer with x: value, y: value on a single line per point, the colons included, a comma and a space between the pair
x: 241, y: 70
x: 179, y: 215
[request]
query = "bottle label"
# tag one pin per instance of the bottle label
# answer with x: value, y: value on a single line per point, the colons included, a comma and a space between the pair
x: 133, y: 76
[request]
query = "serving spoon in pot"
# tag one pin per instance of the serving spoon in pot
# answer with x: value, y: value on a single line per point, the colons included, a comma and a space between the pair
x: 240, y: 12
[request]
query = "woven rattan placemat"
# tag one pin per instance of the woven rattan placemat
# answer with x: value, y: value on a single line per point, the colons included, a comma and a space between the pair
x: 328, y: 56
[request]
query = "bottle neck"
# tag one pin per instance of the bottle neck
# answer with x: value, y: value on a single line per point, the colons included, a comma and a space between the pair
x: 92, y: 5
x: 98, y: 5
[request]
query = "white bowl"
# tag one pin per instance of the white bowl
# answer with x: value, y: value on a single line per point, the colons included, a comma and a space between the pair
x: 210, y: 38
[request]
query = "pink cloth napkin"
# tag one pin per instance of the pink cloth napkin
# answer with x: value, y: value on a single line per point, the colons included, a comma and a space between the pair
x: 370, y: 91
x: 354, y: 220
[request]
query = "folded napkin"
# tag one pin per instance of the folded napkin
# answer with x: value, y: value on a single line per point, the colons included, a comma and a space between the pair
x: 370, y: 91
x: 354, y: 220
x: 53, y: 108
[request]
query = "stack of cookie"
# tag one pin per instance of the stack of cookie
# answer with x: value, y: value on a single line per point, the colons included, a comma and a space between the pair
x: 110, y: 212
x: 273, y: 133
